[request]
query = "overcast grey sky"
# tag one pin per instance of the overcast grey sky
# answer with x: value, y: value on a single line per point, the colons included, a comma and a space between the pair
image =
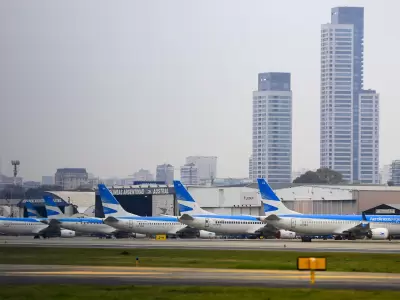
x: 115, y: 86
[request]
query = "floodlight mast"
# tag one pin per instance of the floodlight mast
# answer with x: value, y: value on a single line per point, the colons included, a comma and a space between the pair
x: 15, y: 164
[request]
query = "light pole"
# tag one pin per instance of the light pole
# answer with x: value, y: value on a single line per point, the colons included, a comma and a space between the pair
x: 15, y: 164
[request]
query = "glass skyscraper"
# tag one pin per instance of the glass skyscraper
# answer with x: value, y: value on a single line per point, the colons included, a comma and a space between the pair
x: 349, y: 115
x: 272, y: 129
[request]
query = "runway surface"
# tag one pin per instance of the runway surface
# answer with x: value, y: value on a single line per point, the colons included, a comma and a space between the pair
x: 40, y: 274
x: 359, y: 246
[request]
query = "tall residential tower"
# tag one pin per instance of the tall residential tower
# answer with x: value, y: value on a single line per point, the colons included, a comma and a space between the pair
x: 349, y: 137
x: 272, y: 128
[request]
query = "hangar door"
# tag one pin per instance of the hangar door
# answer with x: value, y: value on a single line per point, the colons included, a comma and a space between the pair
x: 163, y: 205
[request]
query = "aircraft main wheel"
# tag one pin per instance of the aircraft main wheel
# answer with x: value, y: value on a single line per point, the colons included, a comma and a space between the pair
x: 305, y: 239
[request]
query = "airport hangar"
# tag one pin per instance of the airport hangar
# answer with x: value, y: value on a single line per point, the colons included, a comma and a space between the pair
x: 152, y: 200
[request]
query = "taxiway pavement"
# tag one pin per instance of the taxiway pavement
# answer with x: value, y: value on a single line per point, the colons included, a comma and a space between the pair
x: 42, y: 274
x: 360, y: 246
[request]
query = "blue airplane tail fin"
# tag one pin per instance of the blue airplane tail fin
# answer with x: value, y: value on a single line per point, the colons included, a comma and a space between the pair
x: 272, y: 203
x: 187, y: 204
x: 111, y: 206
x: 53, y: 211
x: 31, y: 210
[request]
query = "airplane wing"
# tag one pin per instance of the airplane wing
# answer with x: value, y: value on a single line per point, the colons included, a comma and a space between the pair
x: 184, y: 229
x: 54, y: 222
x: 361, y: 228
x: 38, y: 231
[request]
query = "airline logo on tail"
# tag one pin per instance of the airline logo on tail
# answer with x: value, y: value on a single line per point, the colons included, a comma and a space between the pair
x: 271, y: 202
x: 51, y: 207
x: 187, y: 205
x: 111, y: 206
x: 31, y: 210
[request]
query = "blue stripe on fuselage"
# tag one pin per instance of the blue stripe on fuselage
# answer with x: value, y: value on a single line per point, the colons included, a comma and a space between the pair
x: 229, y: 217
x: 80, y: 220
x: 151, y: 219
x: 371, y: 218
x: 19, y: 219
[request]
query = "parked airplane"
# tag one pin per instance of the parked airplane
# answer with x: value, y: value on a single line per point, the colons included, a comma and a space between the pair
x: 123, y: 220
x: 193, y: 215
x: 34, y: 225
x: 309, y: 225
x: 22, y: 226
x: 87, y: 225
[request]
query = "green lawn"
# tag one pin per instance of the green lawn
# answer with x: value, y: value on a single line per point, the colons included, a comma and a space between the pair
x: 69, y: 292
x: 236, y: 259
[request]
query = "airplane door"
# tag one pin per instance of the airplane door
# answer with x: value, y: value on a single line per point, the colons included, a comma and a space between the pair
x: 207, y: 223
x: 130, y: 224
x: 293, y: 223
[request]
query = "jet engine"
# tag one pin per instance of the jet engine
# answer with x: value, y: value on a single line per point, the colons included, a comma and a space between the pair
x: 65, y: 233
x: 378, y: 234
x: 138, y: 235
x: 203, y: 234
x: 285, y: 234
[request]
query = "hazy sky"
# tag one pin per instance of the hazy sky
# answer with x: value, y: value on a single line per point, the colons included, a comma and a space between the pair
x: 115, y: 86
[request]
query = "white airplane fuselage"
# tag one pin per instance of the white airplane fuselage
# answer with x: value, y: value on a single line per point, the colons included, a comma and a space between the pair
x: 225, y: 225
x: 21, y: 226
x: 332, y: 225
x: 86, y: 225
x: 150, y: 225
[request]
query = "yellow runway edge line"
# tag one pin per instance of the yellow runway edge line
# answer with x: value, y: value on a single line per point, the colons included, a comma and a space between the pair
x: 275, y: 275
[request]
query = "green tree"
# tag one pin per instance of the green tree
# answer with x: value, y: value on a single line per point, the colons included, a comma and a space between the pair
x: 321, y: 176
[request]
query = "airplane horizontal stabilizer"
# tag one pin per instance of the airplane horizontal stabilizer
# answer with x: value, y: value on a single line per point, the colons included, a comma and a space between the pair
x: 111, y: 219
x: 186, y: 217
x: 272, y: 217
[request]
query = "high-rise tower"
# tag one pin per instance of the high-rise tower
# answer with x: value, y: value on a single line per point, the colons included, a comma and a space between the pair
x: 272, y: 128
x: 349, y: 136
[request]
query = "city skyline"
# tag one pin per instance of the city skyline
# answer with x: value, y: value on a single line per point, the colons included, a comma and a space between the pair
x: 128, y: 90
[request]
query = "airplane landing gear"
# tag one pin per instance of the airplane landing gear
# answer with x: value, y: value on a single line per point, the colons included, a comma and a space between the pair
x: 306, y: 239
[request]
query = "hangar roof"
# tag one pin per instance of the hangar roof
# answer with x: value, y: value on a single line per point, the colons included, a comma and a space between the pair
x: 353, y: 187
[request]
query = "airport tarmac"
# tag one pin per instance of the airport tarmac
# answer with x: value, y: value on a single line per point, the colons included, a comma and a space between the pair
x: 42, y: 274
x: 360, y: 246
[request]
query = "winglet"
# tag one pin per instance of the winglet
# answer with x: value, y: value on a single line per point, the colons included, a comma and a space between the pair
x: 364, y: 218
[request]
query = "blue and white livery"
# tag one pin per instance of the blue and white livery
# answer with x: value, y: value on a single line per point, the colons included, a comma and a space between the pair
x: 126, y: 221
x: 306, y: 225
x: 34, y: 225
x: 194, y: 216
x: 32, y: 211
x: 82, y: 225
x: 117, y: 217
x: 22, y: 226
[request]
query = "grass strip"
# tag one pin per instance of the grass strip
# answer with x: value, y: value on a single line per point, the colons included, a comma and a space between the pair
x: 69, y: 292
x: 231, y: 259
